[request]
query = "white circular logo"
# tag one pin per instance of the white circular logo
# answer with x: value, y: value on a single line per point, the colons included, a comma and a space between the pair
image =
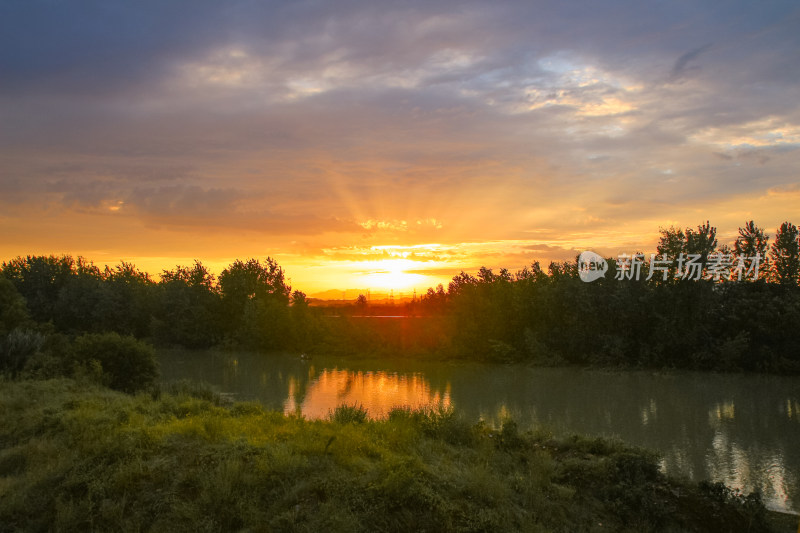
x: 591, y: 266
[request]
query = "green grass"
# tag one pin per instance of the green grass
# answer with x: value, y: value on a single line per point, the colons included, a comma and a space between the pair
x: 349, y: 414
x: 76, y: 457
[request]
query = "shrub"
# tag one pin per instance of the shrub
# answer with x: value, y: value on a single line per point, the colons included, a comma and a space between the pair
x: 127, y: 364
x: 13, y: 309
x: 17, y: 348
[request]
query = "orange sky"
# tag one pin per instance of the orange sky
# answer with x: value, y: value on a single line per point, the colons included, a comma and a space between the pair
x: 390, y: 148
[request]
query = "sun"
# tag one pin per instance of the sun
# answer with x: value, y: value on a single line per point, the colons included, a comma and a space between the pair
x: 391, y: 274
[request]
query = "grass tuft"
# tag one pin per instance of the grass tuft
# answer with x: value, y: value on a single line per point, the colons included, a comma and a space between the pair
x: 349, y: 414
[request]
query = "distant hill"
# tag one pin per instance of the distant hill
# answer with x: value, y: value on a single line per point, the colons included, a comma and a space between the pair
x: 350, y: 295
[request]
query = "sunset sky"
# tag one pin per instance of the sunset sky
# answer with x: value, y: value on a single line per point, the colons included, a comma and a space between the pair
x: 390, y: 144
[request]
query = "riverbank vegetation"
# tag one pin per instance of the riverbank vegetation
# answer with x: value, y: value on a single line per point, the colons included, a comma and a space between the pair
x: 90, y: 441
x: 705, y: 321
x: 75, y: 456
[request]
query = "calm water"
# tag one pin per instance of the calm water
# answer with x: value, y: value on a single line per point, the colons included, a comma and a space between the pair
x: 740, y: 429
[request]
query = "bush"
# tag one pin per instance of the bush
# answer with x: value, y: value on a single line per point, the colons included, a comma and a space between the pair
x: 13, y: 309
x: 17, y: 348
x: 126, y: 364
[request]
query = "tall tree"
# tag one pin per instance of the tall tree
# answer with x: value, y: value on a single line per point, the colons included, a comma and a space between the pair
x: 460, y: 283
x: 39, y: 280
x: 785, y: 255
x: 187, y: 311
x: 83, y: 301
x: 195, y: 276
x: 255, y: 299
x: 753, y: 241
x: 242, y: 281
x: 129, y: 307
x: 671, y: 245
x: 702, y: 241
x: 674, y: 242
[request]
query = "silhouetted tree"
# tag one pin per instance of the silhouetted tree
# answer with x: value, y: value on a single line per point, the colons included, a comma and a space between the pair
x: 299, y: 299
x: 84, y: 301
x: 785, y: 255
x: 255, y: 299
x: 564, y: 269
x: 39, y: 280
x: 675, y: 244
x: 460, y: 283
x: 243, y: 281
x: 702, y: 241
x: 672, y: 242
x: 751, y: 242
x: 434, y: 301
x: 188, y: 308
x: 130, y: 305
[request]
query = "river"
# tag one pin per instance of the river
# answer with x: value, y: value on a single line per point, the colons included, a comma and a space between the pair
x: 743, y: 430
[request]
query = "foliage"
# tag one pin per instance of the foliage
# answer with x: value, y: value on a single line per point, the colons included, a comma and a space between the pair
x: 556, y: 318
x: 187, y: 308
x: 125, y: 363
x: 663, y: 319
x: 17, y: 348
x: 349, y: 414
x: 753, y: 240
x: 78, y: 458
x: 248, y: 306
x: 785, y: 255
x: 13, y: 308
x: 255, y: 299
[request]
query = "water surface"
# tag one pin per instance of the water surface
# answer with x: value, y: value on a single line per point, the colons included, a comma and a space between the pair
x: 743, y: 430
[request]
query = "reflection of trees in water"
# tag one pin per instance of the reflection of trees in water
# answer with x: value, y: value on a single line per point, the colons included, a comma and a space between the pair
x: 267, y: 378
x: 732, y: 428
x: 740, y: 429
x: 348, y: 386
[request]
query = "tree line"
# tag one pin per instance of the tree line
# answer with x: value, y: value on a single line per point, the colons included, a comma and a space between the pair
x: 543, y: 317
x: 700, y: 322
x: 248, y: 305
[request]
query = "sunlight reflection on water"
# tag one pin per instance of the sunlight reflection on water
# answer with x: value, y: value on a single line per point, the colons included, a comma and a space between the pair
x: 377, y: 391
x: 743, y: 430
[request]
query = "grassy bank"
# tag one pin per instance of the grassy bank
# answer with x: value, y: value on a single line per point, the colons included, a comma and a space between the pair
x: 75, y: 457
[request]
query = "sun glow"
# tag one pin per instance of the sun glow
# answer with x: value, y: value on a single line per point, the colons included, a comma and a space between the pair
x: 391, y: 274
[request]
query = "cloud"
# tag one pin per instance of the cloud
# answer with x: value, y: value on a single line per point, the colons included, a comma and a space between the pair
x: 681, y: 68
x: 357, y: 125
